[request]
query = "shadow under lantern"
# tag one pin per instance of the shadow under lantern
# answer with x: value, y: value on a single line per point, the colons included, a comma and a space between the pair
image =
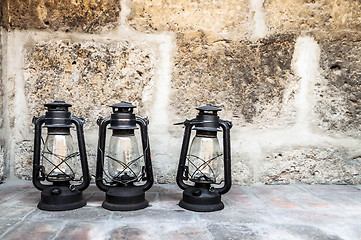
x: 200, y: 168
x: 123, y: 171
x: 58, y: 162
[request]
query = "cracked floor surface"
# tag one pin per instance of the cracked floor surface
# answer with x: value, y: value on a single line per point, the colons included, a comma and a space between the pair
x: 254, y: 212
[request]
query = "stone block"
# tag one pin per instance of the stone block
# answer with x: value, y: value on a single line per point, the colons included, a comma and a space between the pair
x: 90, y: 76
x: 3, y: 13
x: 242, y: 163
x: 1, y: 76
x: 240, y: 198
x: 5, y: 224
x: 9, y: 193
x: 225, y: 19
x: 131, y: 232
x: 28, y: 199
x: 15, y: 212
x: 309, y: 15
x: 310, y: 165
x: 251, y: 81
x: 276, y: 199
x: 309, y: 232
x: 24, y: 159
x: 168, y: 200
x: 2, y: 142
x: 231, y: 215
x: 338, y: 90
x: 186, y: 231
x: 34, y: 230
x: 305, y: 198
x: 88, y: 213
x: 2, y: 162
x: 69, y: 15
x: 156, y: 215
x: 76, y: 230
x: 340, y: 197
x: 223, y: 231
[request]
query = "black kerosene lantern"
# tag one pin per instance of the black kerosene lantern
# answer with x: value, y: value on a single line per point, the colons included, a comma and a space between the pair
x: 58, y: 161
x: 200, y: 168
x: 123, y: 171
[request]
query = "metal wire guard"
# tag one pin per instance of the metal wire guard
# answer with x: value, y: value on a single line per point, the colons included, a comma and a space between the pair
x: 56, y: 166
x: 117, y: 177
x: 198, y: 169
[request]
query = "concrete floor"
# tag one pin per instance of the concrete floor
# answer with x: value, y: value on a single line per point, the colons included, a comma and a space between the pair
x: 289, y: 212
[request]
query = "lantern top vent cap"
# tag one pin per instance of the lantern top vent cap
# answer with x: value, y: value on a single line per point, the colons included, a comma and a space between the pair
x: 123, y: 107
x: 208, y: 107
x: 207, y: 118
x: 58, y: 116
x: 57, y: 105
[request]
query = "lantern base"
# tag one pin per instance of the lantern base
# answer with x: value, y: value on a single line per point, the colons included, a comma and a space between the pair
x: 201, y: 200
x: 61, y: 198
x: 125, y: 199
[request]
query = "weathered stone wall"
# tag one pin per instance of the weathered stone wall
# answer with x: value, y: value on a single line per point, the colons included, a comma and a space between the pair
x: 2, y: 160
x: 285, y: 72
x: 68, y: 15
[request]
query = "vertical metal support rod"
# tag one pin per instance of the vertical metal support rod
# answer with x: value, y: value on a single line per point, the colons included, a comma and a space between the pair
x: 37, y: 145
x: 146, y: 152
x: 100, y: 160
x: 182, y: 160
x: 227, y: 157
x: 82, y: 150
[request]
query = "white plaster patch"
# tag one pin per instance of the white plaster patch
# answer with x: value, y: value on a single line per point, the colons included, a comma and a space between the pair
x: 259, y: 29
x: 125, y: 11
x: 305, y: 64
